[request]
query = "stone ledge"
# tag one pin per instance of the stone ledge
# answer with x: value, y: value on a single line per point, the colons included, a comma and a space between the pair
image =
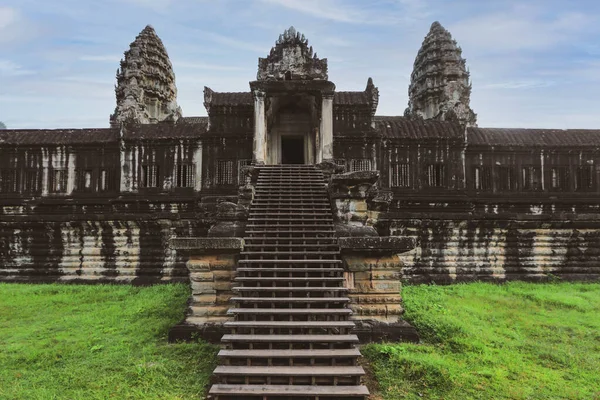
x: 224, y: 244
x: 376, y: 244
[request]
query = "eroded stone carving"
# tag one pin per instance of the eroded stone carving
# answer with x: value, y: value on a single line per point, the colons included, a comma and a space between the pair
x: 439, y: 85
x: 292, y: 59
x: 146, y: 91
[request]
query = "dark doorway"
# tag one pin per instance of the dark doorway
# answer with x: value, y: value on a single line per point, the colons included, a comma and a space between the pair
x: 292, y: 150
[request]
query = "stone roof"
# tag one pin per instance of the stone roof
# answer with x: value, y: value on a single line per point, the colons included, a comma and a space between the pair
x: 231, y: 99
x: 193, y: 120
x: 349, y: 98
x: 533, y: 137
x: 41, y: 137
x: 409, y: 128
x: 166, y: 130
x: 245, y: 98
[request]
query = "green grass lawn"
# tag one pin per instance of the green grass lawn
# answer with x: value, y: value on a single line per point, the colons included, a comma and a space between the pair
x: 485, y: 341
x: 480, y: 341
x: 97, y: 342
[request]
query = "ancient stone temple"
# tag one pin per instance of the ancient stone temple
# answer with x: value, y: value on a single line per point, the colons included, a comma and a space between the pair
x: 293, y: 210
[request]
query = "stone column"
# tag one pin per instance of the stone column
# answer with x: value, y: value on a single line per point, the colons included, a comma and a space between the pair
x: 260, y: 128
x: 70, y: 171
x: 325, y: 150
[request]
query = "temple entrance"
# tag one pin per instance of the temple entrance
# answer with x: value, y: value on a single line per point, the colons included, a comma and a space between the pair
x: 292, y: 149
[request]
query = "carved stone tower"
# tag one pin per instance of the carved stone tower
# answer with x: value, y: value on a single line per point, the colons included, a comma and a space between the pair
x: 439, y: 85
x: 293, y: 104
x: 146, y: 91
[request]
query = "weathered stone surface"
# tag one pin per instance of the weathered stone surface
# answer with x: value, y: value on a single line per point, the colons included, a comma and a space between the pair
x: 292, y: 59
x: 439, y: 85
x: 354, y: 185
x: 146, y: 91
x: 207, y: 244
x: 376, y: 245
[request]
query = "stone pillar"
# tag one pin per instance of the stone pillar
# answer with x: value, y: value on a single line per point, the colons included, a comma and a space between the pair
x: 70, y: 172
x: 260, y: 128
x: 325, y: 150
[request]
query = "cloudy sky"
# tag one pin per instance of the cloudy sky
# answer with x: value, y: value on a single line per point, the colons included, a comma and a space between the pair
x: 534, y: 63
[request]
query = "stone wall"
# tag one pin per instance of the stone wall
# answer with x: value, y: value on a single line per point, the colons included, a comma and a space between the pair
x: 499, y: 249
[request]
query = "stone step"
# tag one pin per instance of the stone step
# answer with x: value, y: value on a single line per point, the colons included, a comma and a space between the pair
x: 284, y: 279
x: 290, y: 270
x: 332, y: 240
x: 291, y: 253
x: 288, y: 231
x: 234, y: 370
x: 303, y: 391
x: 353, y: 352
x: 278, y: 213
x: 290, y: 311
x: 289, y: 324
x: 233, y: 338
x: 242, y: 289
x: 300, y: 300
x: 293, y: 245
x: 289, y: 261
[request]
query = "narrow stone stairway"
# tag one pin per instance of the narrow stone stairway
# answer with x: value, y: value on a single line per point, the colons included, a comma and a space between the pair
x: 291, y: 334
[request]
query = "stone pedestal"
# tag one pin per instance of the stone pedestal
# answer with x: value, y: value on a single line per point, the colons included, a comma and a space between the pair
x: 373, y: 272
x: 211, y: 263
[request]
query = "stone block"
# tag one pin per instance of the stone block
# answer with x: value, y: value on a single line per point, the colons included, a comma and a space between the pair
x: 202, y: 277
x: 204, y: 299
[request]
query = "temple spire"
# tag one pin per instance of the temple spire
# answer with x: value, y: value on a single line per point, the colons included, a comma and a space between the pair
x: 439, y: 85
x: 145, y: 91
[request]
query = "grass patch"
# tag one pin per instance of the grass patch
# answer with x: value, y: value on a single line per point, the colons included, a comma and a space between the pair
x: 97, y: 342
x: 486, y: 341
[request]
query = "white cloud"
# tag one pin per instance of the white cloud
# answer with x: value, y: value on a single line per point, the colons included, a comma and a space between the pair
x: 9, y: 68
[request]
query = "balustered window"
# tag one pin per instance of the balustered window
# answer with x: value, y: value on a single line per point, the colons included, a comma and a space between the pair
x: 560, y: 178
x: 360, y: 164
x: 241, y: 164
x: 400, y: 175
x: 531, y: 178
x: 224, y: 173
x: 507, y: 179
x: 9, y: 182
x: 185, y: 175
x: 585, y: 178
x: 435, y: 175
x: 482, y: 178
x: 58, y: 180
x: 150, y: 176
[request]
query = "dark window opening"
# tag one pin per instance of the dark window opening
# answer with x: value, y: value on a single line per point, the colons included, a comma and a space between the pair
x: 585, y: 178
x: 482, y: 178
x: 58, y: 180
x: 224, y: 175
x: 560, y: 178
x: 360, y: 164
x: 8, y: 181
x: 150, y: 176
x: 292, y: 150
x: 288, y: 75
x: 435, y: 175
x: 186, y: 176
x: 531, y: 178
x: 507, y: 179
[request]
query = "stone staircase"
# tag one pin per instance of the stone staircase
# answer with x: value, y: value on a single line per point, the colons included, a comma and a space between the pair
x: 291, y: 334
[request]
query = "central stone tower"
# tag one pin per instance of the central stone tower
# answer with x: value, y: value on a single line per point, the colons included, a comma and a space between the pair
x: 293, y: 105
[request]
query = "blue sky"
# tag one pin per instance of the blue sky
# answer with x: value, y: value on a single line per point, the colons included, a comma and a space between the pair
x: 533, y: 63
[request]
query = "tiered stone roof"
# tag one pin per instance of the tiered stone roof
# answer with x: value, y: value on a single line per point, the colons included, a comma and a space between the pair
x: 440, y: 87
x: 146, y: 91
x: 292, y: 59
